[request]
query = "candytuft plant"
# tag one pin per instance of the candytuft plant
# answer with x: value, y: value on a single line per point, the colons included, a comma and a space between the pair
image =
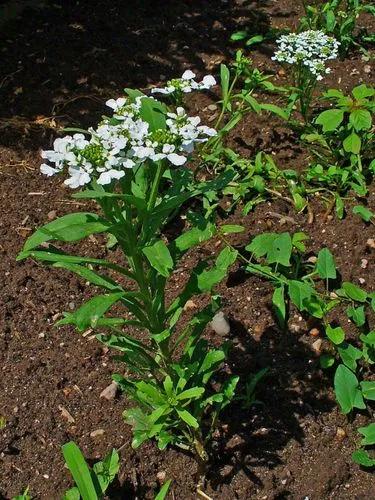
x: 128, y: 163
x: 307, y: 53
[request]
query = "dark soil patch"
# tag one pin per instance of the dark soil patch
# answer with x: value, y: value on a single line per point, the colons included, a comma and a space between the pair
x: 59, y: 64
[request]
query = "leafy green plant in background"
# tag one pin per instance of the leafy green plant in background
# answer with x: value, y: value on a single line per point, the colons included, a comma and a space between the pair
x: 170, y: 370
x: 253, y: 181
x: 343, y: 144
x: 337, y: 18
x: 281, y: 261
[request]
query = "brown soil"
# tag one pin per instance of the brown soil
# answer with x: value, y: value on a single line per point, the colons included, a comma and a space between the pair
x: 59, y: 63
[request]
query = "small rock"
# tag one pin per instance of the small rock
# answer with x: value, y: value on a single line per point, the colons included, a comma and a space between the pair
x: 362, y: 281
x: 97, y: 433
x: 317, y: 346
x: 51, y: 215
x: 370, y: 243
x: 367, y: 68
x: 333, y: 295
x: 312, y: 259
x: 212, y: 107
x: 220, y: 324
x: 340, y: 433
x: 66, y: 415
x: 161, y: 476
x: 364, y: 263
x: 190, y: 305
x: 314, y: 332
x: 109, y: 392
x: 71, y: 306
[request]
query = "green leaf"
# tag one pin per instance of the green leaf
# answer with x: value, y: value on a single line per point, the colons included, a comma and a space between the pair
x: 352, y: 143
x: 357, y: 314
x: 163, y: 490
x: 188, y: 418
x: 278, y: 302
x: 304, y: 298
x: 298, y: 239
x: 276, y: 110
x: 347, y: 390
x: 90, y: 312
x: 349, y: 355
x: 159, y: 257
x: 363, y: 91
x: 80, y: 471
x: 368, y: 392
x: 153, y: 112
x: 254, y: 39
x: 330, y: 119
x: 335, y: 335
x: 231, y: 228
x: 238, y: 35
x: 326, y: 361
x: 224, y: 80
x: 193, y: 393
x: 325, y: 264
x: 72, y: 494
x: 354, y: 292
x: 369, y: 434
x: 361, y: 457
x: 194, y: 236
x: 360, y: 119
x: 107, y: 469
x: 363, y: 212
x: 71, y: 227
x: 89, y: 275
x: 281, y: 250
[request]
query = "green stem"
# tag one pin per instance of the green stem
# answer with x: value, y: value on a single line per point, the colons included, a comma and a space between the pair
x: 155, y: 186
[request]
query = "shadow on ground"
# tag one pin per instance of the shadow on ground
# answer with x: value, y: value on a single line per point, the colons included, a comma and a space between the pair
x: 61, y: 59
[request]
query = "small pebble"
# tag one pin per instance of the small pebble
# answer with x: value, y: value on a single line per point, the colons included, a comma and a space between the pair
x: 98, y: 432
x: 109, y: 392
x: 364, y: 263
x: 370, y: 243
x: 314, y: 332
x: 220, y: 324
x: 161, y: 476
x: 317, y: 346
x: 190, y: 305
x: 340, y: 433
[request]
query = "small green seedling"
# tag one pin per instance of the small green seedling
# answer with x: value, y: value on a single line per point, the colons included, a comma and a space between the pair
x: 91, y: 483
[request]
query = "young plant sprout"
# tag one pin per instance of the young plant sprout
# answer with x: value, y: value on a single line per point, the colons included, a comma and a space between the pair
x: 307, y: 52
x: 184, y: 85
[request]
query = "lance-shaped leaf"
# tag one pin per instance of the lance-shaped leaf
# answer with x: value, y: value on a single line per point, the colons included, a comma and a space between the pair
x: 91, y: 311
x: 80, y: 471
x: 71, y: 227
x: 159, y: 257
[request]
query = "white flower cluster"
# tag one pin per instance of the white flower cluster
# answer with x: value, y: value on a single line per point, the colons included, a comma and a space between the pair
x: 185, y: 84
x: 123, y: 142
x: 309, y: 48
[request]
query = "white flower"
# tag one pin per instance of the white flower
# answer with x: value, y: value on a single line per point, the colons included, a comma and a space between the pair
x: 185, y: 84
x: 107, y: 176
x: 310, y: 48
x: 48, y: 170
x: 123, y: 142
x: 188, y: 75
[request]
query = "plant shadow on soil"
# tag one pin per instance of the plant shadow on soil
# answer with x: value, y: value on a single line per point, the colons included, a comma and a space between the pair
x: 70, y: 58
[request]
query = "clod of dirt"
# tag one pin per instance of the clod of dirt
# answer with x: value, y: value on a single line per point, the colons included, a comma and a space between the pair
x: 220, y: 324
x: 109, y: 392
